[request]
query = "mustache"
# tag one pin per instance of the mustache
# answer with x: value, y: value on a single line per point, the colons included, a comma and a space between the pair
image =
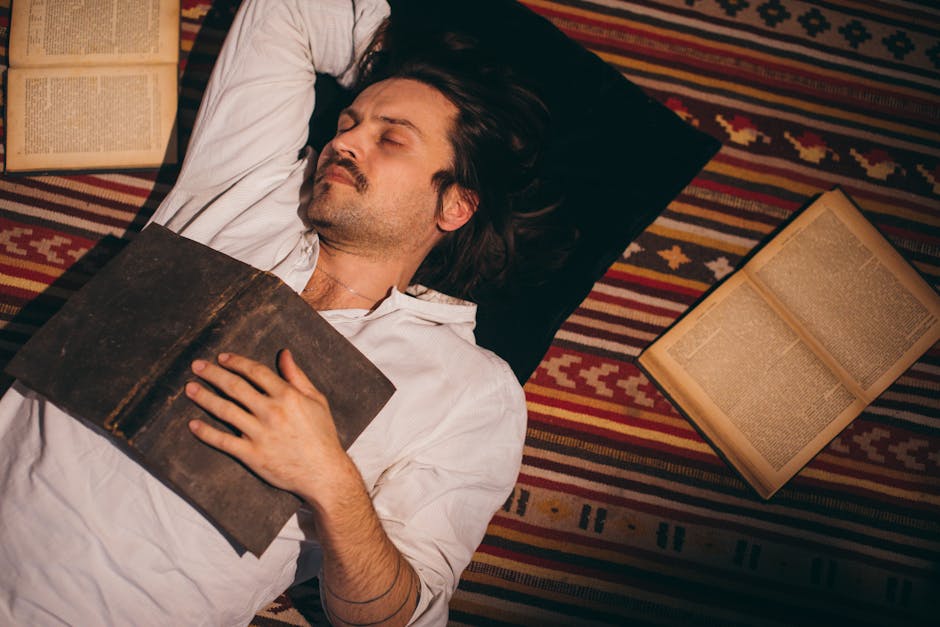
x: 361, y: 182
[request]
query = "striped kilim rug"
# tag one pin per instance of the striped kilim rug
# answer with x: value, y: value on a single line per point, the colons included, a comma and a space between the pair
x: 623, y: 514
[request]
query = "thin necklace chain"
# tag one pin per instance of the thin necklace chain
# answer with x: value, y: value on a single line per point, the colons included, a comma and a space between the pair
x: 349, y: 289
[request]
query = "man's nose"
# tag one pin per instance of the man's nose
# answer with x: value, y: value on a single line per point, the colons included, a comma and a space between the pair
x: 349, y: 142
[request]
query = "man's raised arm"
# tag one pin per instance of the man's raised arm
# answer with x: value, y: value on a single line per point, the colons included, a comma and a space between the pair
x: 240, y: 182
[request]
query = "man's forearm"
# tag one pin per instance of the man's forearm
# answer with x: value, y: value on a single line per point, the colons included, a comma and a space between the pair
x: 366, y: 580
x: 287, y: 436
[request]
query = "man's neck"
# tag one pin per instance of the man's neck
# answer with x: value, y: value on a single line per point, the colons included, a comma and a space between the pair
x: 343, y: 280
x: 324, y: 294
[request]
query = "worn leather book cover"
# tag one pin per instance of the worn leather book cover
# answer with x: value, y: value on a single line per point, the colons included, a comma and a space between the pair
x: 118, y: 355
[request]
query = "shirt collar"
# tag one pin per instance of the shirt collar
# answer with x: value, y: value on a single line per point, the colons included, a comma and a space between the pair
x: 426, y: 303
x: 423, y: 302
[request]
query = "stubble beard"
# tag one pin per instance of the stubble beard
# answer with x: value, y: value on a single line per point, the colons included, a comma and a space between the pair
x: 328, y: 209
x: 344, y: 218
x: 335, y: 217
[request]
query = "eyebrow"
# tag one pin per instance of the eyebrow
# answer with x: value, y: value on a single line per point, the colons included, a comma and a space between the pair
x: 387, y: 119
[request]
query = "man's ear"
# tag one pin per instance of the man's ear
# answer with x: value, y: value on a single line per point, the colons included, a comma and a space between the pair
x: 458, y: 207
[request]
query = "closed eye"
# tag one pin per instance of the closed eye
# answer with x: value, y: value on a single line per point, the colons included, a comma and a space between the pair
x: 345, y: 122
x: 391, y: 141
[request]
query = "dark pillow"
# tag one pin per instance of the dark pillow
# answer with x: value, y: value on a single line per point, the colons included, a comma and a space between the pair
x: 616, y: 156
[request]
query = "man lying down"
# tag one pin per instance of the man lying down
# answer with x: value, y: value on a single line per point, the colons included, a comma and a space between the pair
x: 417, y: 182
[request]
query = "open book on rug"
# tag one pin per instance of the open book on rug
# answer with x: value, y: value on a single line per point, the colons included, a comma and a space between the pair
x: 92, y: 85
x: 789, y: 349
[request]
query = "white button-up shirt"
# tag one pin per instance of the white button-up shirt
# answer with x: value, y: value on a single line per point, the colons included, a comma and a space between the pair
x: 88, y: 537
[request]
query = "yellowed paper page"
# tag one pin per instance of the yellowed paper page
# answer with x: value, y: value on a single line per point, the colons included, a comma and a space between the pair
x: 844, y: 285
x: 91, y: 118
x: 784, y: 354
x: 753, y: 386
x: 47, y: 33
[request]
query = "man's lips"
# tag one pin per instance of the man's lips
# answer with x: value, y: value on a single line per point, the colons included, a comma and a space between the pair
x: 337, y: 174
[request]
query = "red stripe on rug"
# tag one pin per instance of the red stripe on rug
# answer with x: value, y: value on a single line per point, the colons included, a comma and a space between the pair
x: 661, y: 286
x: 927, y: 207
x: 724, y: 518
x: 919, y: 235
x: 621, y: 339
x: 616, y: 319
x: 103, y: 183
x: 723, y: 63
x: 65, y: 187
x: 870, y: 474
x: 746, y: 194
x: 650, y: 443
x: 626, y: 418
x: 627, y: 302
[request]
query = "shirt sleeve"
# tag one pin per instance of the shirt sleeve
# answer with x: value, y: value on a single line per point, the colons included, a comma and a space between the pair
x: 436, y: 504
x: 240, y: 183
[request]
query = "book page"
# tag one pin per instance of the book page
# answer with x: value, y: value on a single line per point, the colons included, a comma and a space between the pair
x: 778, y: 359
x: 103, y: 32
x: 91, y: 118
x: 772, y: 387
x: 844, y: 285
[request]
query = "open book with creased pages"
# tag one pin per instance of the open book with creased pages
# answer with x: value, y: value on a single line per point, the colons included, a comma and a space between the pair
x: 92, y: 85
x: 789, y: 349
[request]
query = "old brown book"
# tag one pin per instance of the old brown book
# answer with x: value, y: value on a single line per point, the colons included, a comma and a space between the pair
x: 118, y: 354
x: 92, y: 85
x: 789, y: 349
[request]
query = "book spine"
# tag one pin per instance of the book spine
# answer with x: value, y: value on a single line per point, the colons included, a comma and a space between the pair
x: 135, y: 411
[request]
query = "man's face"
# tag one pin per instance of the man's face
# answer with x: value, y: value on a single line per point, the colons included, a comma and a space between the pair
x: 373, y: 191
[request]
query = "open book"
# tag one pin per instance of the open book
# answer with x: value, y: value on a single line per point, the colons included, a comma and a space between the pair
x: 789, y: 349
x: 118, y: 354
x: 92, y: 85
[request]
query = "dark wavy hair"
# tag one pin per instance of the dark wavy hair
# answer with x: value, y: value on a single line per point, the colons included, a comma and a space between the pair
x: 498, y: 139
